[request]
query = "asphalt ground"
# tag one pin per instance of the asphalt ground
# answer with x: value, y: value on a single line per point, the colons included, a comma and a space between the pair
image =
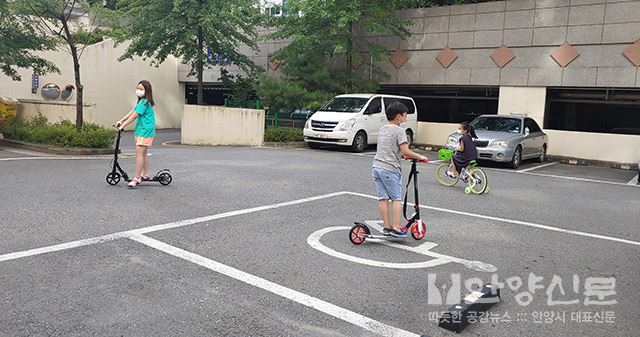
x: 253, y: 242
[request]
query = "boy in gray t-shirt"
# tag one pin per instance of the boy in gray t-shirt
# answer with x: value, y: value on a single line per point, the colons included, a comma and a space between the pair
x: 386, y: 171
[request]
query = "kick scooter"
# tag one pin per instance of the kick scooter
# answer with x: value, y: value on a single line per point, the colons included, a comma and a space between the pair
x: 360, y: 232
x: 113, y: 178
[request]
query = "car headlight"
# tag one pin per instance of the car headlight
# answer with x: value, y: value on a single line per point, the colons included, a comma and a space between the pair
x: 500, y: 143
x: 347, y: 125
x: 307, y: 124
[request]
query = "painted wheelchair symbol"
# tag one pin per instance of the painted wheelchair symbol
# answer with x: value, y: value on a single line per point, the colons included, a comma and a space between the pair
x: 425, y: 249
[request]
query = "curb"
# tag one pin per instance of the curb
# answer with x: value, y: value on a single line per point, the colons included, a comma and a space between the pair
x: 50, y: 149
x: 563, y: 160
x: 176, y: 143
x: 287, y: 144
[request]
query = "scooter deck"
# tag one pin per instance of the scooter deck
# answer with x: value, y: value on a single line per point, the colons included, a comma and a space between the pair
x: 371, y: 236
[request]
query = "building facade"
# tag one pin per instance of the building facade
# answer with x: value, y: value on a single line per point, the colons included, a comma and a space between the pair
x: 572, y: 65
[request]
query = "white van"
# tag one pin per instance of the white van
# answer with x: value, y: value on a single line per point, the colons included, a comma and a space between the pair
x: 354, y: 120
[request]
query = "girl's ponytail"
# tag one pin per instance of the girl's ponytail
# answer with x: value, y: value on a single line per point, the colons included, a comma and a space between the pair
x: 467, y: 127
x: 472, y: 132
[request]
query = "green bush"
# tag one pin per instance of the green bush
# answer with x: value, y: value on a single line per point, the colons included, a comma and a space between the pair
x: 283, y: 135
x: 64, y: 133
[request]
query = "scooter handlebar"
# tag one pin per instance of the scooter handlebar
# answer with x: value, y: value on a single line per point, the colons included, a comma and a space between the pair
x: 412, y: 159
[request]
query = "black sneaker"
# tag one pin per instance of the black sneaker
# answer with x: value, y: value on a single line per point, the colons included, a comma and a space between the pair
x: 386, y: 232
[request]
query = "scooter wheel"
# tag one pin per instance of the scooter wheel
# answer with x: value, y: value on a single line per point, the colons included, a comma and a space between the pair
x: 113, y: 178
x: 165, y: 178
x: 418, y: 230
x: 357, y: 234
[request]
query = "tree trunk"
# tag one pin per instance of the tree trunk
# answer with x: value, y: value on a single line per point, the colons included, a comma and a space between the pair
x: 200, y: 66
x: 76, y: 71
x: 200, y: 61
x: 350, y: 59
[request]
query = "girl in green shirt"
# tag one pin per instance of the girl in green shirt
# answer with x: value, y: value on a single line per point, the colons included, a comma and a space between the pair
x: 144, y: 132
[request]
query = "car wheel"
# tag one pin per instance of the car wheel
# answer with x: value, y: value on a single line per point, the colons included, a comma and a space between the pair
x: 409, y: 137
x: 517, y: 158
x: 359, y: 142
x: 313, y: 145
x: 543, y: 154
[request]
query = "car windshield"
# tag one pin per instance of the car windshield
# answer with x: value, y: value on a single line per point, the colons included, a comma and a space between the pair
x: 501, y: 124
x: 345, y: 104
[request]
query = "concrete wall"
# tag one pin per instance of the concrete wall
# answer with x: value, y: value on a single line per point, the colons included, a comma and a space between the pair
x: 109, y: 84
x: 217, y: 125
x: 594, y: 146
x: 53, y: 111
x: 523, y: 100
x: 598, y: 29
x: 434, y: 133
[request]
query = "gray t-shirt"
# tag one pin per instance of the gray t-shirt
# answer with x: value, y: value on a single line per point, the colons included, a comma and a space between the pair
x: 388, y: 155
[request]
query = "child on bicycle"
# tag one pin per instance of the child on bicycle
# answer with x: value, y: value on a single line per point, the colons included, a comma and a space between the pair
x: 466, y: 152
x: 386, y: 170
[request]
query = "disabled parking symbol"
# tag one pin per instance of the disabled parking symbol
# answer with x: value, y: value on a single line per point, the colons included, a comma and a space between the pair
x: 314, y: 240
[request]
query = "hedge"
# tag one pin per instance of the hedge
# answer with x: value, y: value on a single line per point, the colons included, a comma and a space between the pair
x: 283, y: 135
x: 63, y: 134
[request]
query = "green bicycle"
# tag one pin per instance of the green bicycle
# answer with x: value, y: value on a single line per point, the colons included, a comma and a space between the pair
x: 472, y: 175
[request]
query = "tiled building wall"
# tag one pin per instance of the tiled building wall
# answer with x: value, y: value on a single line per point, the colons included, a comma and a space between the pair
x: 599, y: 30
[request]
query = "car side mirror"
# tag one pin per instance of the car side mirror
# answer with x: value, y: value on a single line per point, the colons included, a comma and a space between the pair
x: 526, y: 132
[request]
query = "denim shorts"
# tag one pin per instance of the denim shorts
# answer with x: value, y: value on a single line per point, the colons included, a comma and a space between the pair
x: 388, y: 184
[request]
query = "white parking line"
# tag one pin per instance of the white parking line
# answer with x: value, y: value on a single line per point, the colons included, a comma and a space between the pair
x: 277, y: 289
x: 577, y: 179
x: 518, y: 222
x: 63, y: 158
x: 537, y: 167
x: 149, y: 229
x: 634, y: 180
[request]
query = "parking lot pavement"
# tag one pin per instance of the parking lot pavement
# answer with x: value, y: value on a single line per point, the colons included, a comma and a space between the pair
x: 253, y: 241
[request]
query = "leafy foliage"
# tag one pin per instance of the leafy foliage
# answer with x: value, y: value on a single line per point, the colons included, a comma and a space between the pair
x: 56, y: 19
x: 63, y: 133
x: 187, y: 28
x: 241, y: 89
x: 19, y: 40
x: 326, y: 43
x: 283, y: 135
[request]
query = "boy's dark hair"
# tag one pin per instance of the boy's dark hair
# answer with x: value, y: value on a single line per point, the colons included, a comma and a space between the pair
x: 394, y: 109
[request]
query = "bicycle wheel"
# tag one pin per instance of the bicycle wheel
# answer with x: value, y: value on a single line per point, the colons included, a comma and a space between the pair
x: 443, y: 177
x: 477, y: 181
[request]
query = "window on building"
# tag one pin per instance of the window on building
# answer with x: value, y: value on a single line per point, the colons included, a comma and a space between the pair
x: 448, y: 104
x: 593, y: 110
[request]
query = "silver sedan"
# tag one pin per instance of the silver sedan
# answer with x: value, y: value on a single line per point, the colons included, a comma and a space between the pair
x: 507, y: 138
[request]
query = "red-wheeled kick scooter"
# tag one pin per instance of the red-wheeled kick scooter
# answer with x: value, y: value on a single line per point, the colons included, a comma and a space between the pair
x: 415, y: 225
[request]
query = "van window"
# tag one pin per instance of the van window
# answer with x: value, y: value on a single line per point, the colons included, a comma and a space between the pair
x: 375, y: 106
x: 345, y: 104
x: 405, y: 101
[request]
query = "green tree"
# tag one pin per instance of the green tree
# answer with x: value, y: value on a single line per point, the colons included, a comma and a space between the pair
x: 59, y: 20
x: 18, y: 41
x: 328, y: 38
x: 189, y: 29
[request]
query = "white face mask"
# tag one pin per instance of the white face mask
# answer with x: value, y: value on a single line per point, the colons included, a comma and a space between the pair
x: 140, y: 93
